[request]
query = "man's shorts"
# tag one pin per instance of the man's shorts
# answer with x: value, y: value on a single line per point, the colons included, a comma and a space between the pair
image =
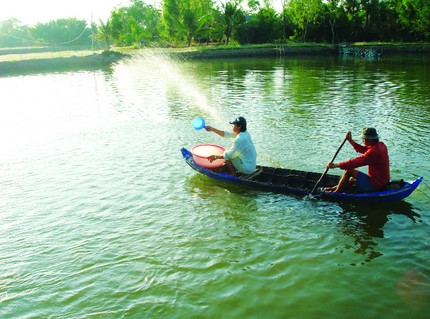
x: 363, y: 182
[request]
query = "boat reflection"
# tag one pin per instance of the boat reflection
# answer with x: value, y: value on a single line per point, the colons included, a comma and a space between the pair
x: 365, y: 222
x: 360, y: 225
x: 374, y: 217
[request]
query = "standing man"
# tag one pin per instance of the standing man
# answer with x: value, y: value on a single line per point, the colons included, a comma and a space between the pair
x: 375, y: 155
x: 241, y: 156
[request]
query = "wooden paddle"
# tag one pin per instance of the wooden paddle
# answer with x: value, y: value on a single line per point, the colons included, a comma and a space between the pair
x: 326, y: 170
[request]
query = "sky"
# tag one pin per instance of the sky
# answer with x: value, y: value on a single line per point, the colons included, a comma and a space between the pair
x: 30, y: 12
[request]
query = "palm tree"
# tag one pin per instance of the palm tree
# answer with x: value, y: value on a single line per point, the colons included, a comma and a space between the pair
x: 105, y: 33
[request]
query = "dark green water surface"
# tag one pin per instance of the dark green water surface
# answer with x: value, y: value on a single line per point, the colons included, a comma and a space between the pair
x: 101, y: 218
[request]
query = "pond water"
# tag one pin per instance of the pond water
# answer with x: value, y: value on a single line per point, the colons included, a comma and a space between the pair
x: 100, y: 217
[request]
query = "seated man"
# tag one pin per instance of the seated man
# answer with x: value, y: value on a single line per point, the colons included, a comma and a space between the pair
x: 241, y: 156
x: 375, y: 155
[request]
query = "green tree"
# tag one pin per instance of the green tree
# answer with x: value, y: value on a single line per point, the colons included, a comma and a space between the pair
x: 190, y: 24
x: 265, y: 26
x: 186, y: 20
x: 333, y: 13
x: 104, y: 33
x: 370, y: 16
x: 232, y: 16
x: 285, y: 19
x: 208, y: 24
x: 195, y: 18
x: 305, y: 14
x: 14, y: 34
x: 387, y: 23
x: 253, y: 5
x: 118, y: 21
x: 414, y: 18
x: 71, y: 32
x: 136, y: 24
x: 170, y: 17
x: 143, y: 21
x: 353, y: 13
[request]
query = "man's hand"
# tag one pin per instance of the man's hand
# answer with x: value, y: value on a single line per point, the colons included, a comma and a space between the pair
x: 332, y: 165
x: 213, y: 158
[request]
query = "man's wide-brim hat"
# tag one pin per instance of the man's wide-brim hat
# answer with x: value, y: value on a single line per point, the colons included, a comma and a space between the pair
x: 369, y: 133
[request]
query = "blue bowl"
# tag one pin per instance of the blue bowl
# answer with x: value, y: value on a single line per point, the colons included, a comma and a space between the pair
x: 199, y: 123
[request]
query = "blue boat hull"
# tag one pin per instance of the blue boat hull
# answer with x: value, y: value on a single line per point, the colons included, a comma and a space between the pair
x: 301, y: 183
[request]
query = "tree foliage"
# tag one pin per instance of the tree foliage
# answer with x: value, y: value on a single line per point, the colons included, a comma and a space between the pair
x: 69, y: 31
x: 14, y: 34
x: 136, y: 24
x: 414, y: 17
x: 305, y: 15
x: 315, y: 20
x: 263, y: 27
x: 232, y: 18
x: 187, y: 22
x: 104, y: 33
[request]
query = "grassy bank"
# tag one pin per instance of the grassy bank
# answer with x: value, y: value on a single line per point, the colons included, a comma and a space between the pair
x: 19, y: 60
x: 61, y: 60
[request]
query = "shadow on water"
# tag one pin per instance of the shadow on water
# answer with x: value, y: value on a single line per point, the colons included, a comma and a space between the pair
x: 374, y: 216
x: 217, y: 197
x: 206, y: 188
x: 361, y: 224
x: 364, y: 223
x: 231, y: 212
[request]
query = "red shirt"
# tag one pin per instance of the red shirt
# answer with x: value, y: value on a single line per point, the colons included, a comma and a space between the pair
x: 376, y: 157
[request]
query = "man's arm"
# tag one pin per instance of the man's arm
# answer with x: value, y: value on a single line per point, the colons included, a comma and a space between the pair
x: 213, y: 129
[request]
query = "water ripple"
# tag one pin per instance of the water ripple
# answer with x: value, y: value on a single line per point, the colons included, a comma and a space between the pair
x: 100, y: 216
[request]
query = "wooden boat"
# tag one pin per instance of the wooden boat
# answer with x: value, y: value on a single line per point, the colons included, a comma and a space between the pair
x: 301, y: 183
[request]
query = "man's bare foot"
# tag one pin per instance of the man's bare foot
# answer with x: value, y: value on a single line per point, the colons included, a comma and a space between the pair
x: 329, y: 189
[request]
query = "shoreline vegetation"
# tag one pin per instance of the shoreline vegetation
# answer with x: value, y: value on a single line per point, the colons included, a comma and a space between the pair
x: 40, y: 59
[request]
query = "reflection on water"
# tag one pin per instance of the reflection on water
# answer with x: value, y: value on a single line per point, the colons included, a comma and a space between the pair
x: 95, y: 195
x: 374, y: 216
x: 365, y: 222
x: 361, y: 223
